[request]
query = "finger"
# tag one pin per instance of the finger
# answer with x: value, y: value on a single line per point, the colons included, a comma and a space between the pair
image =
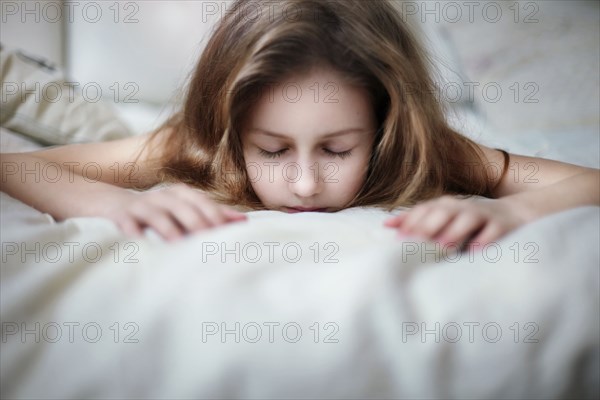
x: 217, y: 214
x: 166, y: 226
x: 210, y: 211
x: 188, y: 216
x: 491, y: 232
x: 461, y: 228
x: 395, y: 220
x: 434, y: 222
x: 413, y: 218
x: 129, y: 227
x: 234, y: 215
x: 188, y: 207
x: 159, y: 220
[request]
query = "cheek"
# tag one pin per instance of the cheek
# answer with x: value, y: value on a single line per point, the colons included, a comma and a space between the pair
x: 351, y: 175
x: 262, y: 180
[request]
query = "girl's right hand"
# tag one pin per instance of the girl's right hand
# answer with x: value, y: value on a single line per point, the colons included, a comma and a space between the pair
x: 172, y: 212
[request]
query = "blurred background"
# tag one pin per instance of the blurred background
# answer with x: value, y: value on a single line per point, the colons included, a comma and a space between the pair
x: 139, y: 52
x: 517, y: 74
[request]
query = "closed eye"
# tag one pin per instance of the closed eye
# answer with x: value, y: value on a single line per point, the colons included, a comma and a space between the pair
x: 271, y: 154
x: 341, y: 154
x: 275, y: 154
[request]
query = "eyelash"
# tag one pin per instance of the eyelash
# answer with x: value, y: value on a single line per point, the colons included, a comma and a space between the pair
x: 275, y: 154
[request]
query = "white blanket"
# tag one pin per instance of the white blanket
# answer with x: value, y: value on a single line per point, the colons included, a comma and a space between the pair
x: 297, y: 306
x: 317, y: 305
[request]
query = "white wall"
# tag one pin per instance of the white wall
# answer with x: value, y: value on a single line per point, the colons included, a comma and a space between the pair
x: 133, y: 50
x: 34, y: 26
x: 144, y: 49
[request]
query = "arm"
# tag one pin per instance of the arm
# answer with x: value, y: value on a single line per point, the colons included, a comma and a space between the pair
x: 530, y: 188
x: 76, y: 180
x: 538, y: 187
x: 91, y: 180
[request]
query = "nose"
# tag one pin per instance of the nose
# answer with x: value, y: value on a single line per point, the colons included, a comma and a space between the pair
x: 306, y: 180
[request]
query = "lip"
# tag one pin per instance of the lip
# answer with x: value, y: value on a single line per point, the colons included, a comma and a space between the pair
x: 304, y: 209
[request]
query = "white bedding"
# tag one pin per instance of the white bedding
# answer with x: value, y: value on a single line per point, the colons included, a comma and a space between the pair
x: 369, y: 293
x: 87, y: 313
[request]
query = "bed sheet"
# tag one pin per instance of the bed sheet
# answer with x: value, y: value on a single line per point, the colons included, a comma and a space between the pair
x: 306, y: 305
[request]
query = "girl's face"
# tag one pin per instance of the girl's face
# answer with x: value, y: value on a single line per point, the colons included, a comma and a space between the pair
x: 307, y: 142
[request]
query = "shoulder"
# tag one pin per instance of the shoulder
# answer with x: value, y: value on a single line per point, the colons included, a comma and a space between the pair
x: 524, y: 173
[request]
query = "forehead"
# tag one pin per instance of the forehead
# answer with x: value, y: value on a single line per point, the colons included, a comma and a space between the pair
x: 318, y: 103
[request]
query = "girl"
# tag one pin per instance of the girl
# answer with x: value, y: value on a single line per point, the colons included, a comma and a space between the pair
x: 307, y: 106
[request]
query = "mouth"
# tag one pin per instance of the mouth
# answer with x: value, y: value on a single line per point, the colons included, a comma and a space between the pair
x: 293, y: 210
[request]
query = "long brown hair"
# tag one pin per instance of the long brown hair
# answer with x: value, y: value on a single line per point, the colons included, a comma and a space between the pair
x: 416, y: 155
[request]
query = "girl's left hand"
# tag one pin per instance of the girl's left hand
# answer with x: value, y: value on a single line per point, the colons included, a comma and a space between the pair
x: 448, y: 219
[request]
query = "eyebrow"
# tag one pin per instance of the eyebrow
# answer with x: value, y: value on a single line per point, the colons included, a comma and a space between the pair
x: 330, y: 134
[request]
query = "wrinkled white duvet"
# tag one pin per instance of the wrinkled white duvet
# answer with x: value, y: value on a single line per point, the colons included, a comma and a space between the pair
x: 297, y: 306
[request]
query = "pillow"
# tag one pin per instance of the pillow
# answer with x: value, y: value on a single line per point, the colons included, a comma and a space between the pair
x: 12, y: 142
x: 40, y: 102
